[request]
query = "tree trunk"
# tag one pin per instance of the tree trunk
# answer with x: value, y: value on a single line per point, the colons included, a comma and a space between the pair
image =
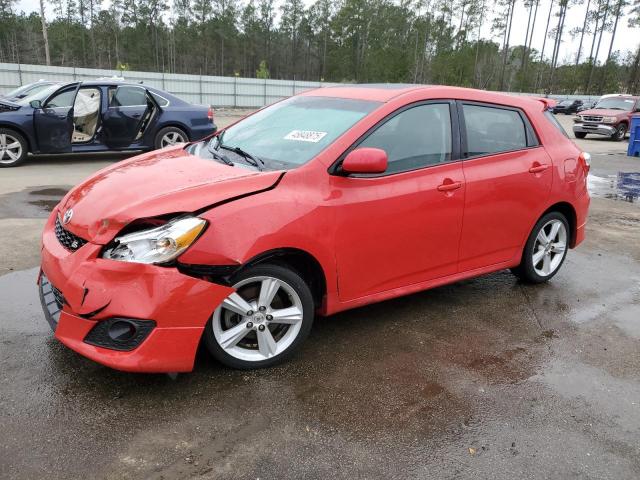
x: 595, y: 59
x: 584, y: 27
x: 44, y: 33
x: 613, y: 37
x: 507, y: 36
x: 544, y: 44
x: 556, y: 51
x: 475, y: 64
x: 526, y: 37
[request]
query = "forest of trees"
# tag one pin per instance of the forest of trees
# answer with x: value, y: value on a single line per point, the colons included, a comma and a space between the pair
x: 414, y: 41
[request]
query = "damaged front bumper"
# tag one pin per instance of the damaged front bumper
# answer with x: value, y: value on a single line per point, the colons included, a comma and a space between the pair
x: 90, y: 303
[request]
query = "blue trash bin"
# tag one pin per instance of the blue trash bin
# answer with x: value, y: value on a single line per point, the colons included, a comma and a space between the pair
x: 634, y: 136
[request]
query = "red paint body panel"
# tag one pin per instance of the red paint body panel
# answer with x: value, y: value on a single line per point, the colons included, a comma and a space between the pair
x: 374, y: 238
x: 177, y: 303
x: 503, y: 199
x: 154, y: 184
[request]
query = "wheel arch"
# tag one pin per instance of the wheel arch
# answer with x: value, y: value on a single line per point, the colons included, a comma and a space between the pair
x: 566, y: 209
x: 21, y: 131
x: 302, y: 262
x: 298, y: 260
x: 175, y: 124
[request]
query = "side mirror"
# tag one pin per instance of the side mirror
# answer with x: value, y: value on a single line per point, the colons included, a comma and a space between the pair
x: 365, y: 160
x: 35, y: 104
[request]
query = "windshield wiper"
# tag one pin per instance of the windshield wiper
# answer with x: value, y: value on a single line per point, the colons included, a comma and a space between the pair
x: 218, y: 155
x: 251, y: 159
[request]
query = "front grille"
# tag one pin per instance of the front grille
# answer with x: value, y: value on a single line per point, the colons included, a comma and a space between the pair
x: 591, y: 118
x: 67, y: 239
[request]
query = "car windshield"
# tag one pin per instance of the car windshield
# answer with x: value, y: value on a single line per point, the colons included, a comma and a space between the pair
x: 289, y: 133
x: 614, y: 103
x: 41, y: 94
x: 27, y: 90
x: 566, y: 103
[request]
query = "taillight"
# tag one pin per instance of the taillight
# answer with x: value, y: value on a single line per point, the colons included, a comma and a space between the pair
x: 210, y: 114
x: 585, y: 162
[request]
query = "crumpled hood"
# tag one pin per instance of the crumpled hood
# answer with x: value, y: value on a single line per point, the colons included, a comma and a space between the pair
x: 153, y: 184
x: 602, y: 112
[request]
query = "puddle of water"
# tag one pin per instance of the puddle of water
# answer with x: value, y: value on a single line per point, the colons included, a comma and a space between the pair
x: 31, y: 203
x: 58, y: 192
x: 46, y: 205
x: 624, y: 186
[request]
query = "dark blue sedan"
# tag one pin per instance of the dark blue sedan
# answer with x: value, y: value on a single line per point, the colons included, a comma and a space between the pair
x: 97, y: 116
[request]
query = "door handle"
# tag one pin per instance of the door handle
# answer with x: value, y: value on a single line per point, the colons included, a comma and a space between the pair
x: 537, y: 168
x: 136, y: 115
x: 449, y: 186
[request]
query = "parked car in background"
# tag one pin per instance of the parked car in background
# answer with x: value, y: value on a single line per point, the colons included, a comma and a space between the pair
x: 97, y: 116
x: 329, y: 200
x: 610, y: 117
x: 587, y: 106
x: 567, y: 106
x: 27, y: 90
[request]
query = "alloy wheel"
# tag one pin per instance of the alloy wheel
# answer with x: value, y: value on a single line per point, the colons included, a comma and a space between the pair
x: 10, y: 148
x: 260, y: 320
x: 549, y: 248
x: 171, y: 138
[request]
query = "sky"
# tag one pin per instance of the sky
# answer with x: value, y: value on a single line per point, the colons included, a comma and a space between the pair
x: 627, y: 39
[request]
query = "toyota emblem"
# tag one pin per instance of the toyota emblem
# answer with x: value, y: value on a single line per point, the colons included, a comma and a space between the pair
x: 67, y: 216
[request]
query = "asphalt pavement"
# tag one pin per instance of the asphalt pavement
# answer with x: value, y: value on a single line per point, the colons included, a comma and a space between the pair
x: 486, y: 378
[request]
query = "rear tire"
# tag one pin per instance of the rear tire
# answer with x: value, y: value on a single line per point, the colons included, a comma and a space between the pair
x: 545, y: 250
x: 170, y: 136
x: 13, y: 148
x: 580, y: 134
x: 264, y: 321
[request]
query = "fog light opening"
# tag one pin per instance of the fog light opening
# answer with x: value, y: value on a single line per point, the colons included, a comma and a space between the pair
x: 122, y: 331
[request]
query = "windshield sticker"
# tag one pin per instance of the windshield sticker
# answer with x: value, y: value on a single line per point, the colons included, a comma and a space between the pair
x: 305, y: 136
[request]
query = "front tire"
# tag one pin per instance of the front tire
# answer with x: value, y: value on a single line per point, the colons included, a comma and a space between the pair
x: 620, y: 133
x: 170, y: 136
x: 580, y: 134
x: 264, y: 321
x: 13, y: 148
x: 545, y: 250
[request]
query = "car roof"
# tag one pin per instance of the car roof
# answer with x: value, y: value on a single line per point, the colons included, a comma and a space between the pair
x: 117, y: 83
x: 385, y: 92
x: 379, y: 92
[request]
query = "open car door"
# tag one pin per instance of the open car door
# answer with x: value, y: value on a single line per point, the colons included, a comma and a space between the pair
x: 129, y: 106
x: 54, y: 121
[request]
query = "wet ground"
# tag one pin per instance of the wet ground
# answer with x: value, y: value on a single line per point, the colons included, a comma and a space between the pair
x: 487, y: 378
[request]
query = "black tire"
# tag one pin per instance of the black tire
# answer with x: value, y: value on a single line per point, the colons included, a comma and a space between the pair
x: 300, y: 287
x: 169, y: 130
x: 5, y: 160
x: 580, y: 134
x: 526, y: 271
x: 620, y: 133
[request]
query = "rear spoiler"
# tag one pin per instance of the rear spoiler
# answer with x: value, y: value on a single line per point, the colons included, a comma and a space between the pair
x: 547, y: 102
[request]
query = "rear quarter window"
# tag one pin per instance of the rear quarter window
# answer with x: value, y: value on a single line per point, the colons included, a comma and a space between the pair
x: 549, y: 116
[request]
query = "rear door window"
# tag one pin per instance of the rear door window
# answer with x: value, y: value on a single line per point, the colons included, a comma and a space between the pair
x: 126, y: 96
x: 492, y: 130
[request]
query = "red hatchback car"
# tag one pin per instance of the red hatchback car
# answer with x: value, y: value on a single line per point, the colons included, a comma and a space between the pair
x: 325, y: 201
